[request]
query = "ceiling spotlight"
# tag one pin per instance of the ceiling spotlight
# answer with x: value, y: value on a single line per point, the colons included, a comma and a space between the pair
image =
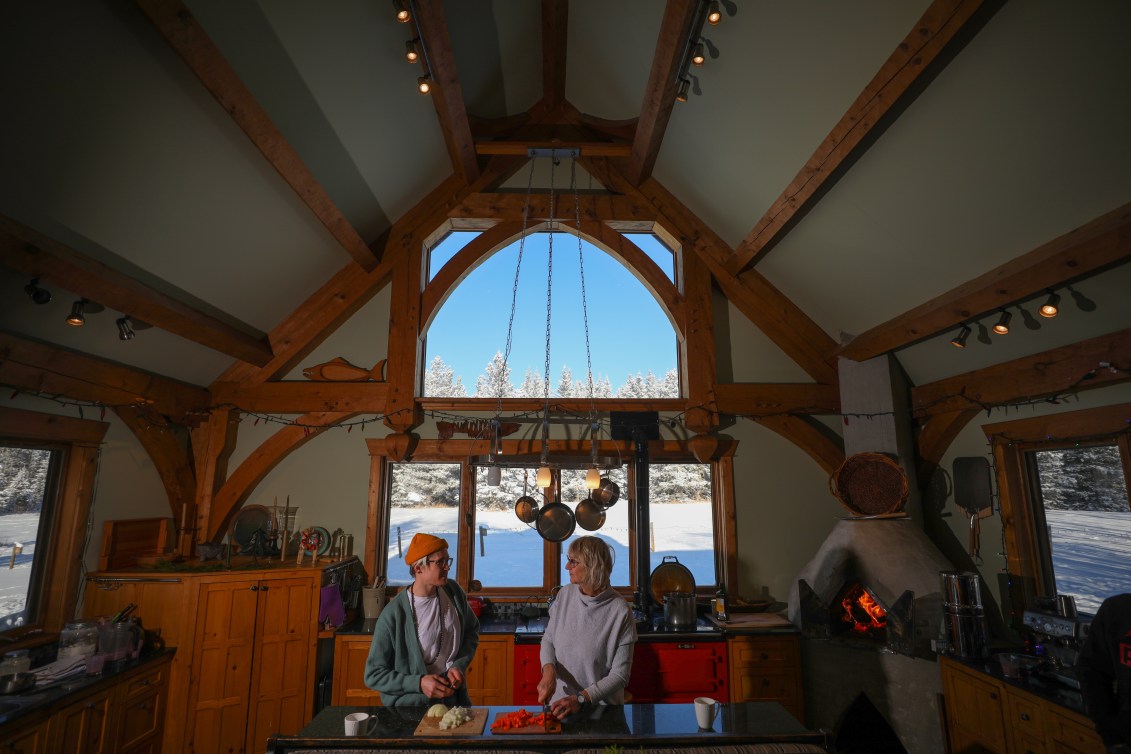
x: 37, y: 294
x: 411, y: 53
x: 401, y: 8
x: 1002, y: 325
x: 76, y: 317
x: 959, y: 341
x: 698, y: 55
x: 424, y: 83
x: 1051, y: 306
x: 714, y: 15
x: 125, y: 332
x: 684, y: 88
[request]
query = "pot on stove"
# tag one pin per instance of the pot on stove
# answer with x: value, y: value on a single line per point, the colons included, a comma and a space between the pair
x: 679, y: 609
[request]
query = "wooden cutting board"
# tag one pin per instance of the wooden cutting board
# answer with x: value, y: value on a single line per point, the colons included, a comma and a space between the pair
x: 555, y: 726
x: 430, y: 726
x: 753, y: 620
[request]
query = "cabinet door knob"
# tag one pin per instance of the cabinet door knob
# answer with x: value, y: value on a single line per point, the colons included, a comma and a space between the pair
x: 263, y: 588
x: 254, y: 588
x: 993, y: 695
x: 1025, y: 716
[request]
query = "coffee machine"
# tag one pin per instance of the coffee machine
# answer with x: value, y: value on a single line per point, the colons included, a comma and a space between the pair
x: 1057, y: 632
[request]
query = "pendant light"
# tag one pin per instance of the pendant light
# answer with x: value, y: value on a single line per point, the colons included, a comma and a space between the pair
x: 76, y: 318
x: 1001, y: 327
x: 1051, y: 307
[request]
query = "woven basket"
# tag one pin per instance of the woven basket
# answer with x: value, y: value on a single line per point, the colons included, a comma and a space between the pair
x: 870, y: 484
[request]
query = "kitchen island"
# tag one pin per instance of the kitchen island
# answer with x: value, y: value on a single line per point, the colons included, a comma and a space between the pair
x: 741, y: 726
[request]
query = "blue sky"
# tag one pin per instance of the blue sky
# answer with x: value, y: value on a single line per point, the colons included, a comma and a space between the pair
x: 628, y: 332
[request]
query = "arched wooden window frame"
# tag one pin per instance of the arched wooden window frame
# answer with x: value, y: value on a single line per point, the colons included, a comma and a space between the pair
x: 1010, y: 442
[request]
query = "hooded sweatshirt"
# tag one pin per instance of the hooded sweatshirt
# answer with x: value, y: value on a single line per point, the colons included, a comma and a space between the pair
x: 1104, y: 670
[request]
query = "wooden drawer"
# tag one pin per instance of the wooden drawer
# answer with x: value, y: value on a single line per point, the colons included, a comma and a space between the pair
x: 1026, y: 715
x: 1068, y: 735
x: 144, y: 684
x: 763, y: 652
x: 1024, y: 743
x: 140, y: 719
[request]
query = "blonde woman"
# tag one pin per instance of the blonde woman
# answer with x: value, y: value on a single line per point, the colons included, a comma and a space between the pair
x: 587, y: 647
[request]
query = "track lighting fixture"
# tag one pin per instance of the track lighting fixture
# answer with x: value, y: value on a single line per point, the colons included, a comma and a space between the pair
x: 37, y: 294
x: 698, y: 54
x: 684, y: 87
x: 77, y: 318
x: 1002, y: 325
x: 959, y: 341
x: 714, y: 15
x: 401, y: 8
x: 125, y: 332
x: 424, y: 83
x: 411, y: 52
x: 1051, y: 306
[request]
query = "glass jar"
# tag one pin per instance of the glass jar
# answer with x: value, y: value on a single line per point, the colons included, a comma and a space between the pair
x: 78, y: 640
x: 16, y: 661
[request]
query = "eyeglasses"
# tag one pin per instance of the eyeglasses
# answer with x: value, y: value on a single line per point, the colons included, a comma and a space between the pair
x: 571, y: 563
x: 442, y: 562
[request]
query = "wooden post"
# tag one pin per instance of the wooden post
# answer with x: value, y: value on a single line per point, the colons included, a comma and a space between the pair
x: 482, y: 536
x: 17, y: 548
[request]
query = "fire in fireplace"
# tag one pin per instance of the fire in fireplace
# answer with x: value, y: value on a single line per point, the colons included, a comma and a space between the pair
x: 857, y: 612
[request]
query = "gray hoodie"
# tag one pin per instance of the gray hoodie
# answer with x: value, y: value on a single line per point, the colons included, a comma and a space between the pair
x: 590, y: 641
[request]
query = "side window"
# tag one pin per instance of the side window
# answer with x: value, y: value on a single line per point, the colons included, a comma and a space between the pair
x: 423, y: 497
x: 681, y: 518
x: 506, y: 552
x: 615, y: 530
x: 27, y: 497
x: 1083, y: 521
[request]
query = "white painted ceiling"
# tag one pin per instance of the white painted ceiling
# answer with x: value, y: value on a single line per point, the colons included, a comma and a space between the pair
x: 110, y: 144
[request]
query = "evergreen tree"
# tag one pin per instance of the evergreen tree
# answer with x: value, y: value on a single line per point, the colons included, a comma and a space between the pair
x: 531, y: 386
x: 566, y: 386
x: 633, y: 387
x: 495, y: 382
x: 440, y: 381
x: 670, y: 387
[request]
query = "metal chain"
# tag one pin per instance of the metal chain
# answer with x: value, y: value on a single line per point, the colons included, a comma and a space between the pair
x: 514, y: 288
x: 549, y: 289
x: 584, y: 310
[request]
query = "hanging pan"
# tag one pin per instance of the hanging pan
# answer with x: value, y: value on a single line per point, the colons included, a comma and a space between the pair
x: 555, y: 522
x: 590, y: 516
x: 607, y: 493
x: 526, y: 508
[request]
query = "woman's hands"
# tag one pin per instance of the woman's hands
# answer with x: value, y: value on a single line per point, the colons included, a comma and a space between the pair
x: 546, y: 685
x: 455, y: 677
x: 566, y: 706
x: 436, y: 686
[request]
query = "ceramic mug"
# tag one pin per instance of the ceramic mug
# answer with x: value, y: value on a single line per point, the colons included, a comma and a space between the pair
x: 705, y: 710
x: 354, y: 721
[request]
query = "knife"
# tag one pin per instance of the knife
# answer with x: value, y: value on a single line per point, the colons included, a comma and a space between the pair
x: 546, y: 717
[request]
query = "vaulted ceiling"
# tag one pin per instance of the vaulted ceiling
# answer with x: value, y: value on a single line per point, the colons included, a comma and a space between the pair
x: 894, y: 168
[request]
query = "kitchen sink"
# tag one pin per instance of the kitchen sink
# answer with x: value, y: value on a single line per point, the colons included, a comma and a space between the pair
x: 533, y: 626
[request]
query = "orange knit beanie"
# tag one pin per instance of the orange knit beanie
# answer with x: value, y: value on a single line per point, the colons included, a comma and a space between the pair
x: 423, y: 545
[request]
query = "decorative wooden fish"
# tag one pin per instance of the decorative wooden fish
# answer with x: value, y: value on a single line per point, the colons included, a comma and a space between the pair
x: 480, y: 429
x: 340, y: 370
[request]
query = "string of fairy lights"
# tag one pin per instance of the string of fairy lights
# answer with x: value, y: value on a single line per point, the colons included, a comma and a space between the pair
x: 147, y: 412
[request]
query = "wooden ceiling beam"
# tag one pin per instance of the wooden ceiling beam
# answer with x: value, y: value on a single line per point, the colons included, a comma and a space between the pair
x: 510, y: 206
x: 447, y: 95
x: 27, y: 251
x: 295, y: 396
x: 171, y: 458
x: 1091, y: 248
x: 1040, y: 376
x: 764, y: 399
x: 943, y: 29
x: 180, y: 29
x: 523, y: 146
x: 45, y: 369
x: 659, y: 94
x: 555, y: 35
x: 817, y: 440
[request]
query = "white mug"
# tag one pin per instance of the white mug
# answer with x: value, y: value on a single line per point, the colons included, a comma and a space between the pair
x: 354, y: 721
x: 705, y: 710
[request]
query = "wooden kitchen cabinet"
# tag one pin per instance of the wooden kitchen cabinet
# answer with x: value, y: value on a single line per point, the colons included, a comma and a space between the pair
x: 767, y: 667
x: 28, y: 738
x: 83, y: 726
x: 350, y: 653
x: 984, y: 714
x: 489, y: 675
x: 246, y: 641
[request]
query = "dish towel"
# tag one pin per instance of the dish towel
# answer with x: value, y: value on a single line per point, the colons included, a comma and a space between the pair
x: 60, y: 669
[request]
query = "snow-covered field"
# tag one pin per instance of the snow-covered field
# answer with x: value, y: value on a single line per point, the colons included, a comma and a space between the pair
x: 1091, y: 554
x: 22, y: 528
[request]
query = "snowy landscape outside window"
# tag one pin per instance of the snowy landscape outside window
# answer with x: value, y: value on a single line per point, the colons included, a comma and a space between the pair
x: 423, y: 497
x: 1087, y: 521
x: 681, y: 516
x: 25, y: 518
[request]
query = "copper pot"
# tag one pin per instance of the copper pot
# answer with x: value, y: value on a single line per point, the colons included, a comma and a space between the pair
x: 589, y: 515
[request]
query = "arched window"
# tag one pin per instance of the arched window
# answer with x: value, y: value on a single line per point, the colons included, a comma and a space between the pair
x: 633, y: 347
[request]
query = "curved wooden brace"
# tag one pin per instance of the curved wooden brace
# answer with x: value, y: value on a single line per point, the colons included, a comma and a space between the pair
x: 936, y: 436
x: 643, y: 268
x: 171, y: 457
x: 462, y: 264
x: 809, y: 435
x: 239, y: 486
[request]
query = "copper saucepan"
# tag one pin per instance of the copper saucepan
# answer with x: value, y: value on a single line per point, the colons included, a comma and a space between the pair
x: 589, y: 515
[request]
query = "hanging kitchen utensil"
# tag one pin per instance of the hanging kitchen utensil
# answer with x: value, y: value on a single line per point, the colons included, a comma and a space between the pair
x: 607, y: 493
x: 589, y: 515
x: 526, y: 508
x: 870, y: 484
x: 973, y: 494
x: 555, y: 522
x: 671, y: 576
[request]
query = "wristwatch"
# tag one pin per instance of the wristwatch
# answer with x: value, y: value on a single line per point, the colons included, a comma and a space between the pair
x: 581, y: 698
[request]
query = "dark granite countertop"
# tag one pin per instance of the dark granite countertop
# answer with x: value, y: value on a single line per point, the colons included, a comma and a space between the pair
x: 631, y: 725
x: 13, y: 707
x: 1046, y: 688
